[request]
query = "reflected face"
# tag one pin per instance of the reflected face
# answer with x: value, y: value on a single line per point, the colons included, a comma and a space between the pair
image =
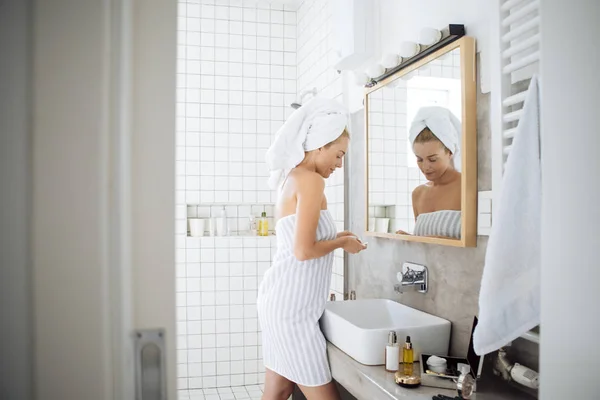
x: 433, y: 159
x: 329, y: 158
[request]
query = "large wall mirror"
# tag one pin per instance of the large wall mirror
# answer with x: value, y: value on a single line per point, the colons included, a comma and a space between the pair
x: 422, y: 150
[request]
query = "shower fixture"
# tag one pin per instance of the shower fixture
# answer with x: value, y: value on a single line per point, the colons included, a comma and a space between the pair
x: 298, y: 103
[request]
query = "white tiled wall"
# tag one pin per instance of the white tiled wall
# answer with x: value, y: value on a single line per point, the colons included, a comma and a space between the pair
x: 240, y: 66
x: 218, y: 331
x: 391, y: 180
x: 236, y: 78
x: 315, y: 69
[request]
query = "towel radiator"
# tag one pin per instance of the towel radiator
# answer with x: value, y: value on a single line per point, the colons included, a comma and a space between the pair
x: 515, y: 56
x: 515, y: 59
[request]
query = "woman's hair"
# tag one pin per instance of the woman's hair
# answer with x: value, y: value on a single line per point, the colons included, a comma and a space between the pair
x: 345, y: 134
x: 427, y: 136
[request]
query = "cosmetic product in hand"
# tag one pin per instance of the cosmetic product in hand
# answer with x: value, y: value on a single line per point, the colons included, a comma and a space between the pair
x: 392, y: 353
x: 407, y: 357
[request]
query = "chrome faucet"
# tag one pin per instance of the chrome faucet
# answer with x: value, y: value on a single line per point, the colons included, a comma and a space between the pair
x: 414, y: 276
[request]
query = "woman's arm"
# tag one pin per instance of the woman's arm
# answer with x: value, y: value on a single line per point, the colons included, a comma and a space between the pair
x: 308, y: 211
x: 415, y: 200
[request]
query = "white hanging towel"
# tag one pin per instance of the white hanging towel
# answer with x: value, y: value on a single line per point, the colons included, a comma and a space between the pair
x: 509, y: 299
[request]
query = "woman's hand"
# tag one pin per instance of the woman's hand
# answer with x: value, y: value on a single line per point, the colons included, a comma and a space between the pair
x: 352, y: 245
x: 345, y: 233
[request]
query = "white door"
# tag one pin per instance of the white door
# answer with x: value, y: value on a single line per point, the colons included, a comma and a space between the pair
x: 103, y: 151
x: 150, y: 228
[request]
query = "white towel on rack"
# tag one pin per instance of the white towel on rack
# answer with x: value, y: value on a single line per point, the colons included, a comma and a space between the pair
x: 509, y: 299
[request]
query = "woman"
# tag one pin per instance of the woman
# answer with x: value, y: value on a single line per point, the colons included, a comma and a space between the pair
x: 435, y: 136
x: 308, y: 149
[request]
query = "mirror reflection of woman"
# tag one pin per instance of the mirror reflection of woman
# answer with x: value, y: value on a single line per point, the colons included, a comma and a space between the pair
x: 435, y: 137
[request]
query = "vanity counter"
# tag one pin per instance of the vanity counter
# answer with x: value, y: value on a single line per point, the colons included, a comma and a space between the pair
x: 375, y: 383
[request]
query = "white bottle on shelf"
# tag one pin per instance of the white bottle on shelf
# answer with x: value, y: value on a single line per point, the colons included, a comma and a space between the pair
x: 222, y: 228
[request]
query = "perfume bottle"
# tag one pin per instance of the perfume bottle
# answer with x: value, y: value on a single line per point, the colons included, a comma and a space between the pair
x: 407, y: 357
x: 263, y: 225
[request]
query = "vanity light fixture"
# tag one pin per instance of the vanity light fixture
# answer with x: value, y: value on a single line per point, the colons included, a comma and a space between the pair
x: 412, y: 52
x: 429, y: 36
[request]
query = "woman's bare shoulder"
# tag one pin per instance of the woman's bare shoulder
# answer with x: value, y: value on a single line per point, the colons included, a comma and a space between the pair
x: 307, y: 180
x: 419, y: 190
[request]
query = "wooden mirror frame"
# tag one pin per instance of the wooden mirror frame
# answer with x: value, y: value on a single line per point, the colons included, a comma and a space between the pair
x: 468, y: 138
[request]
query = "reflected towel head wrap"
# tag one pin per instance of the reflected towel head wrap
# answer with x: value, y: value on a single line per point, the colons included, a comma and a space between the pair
x: 318, y: 122
x: 444, y: 125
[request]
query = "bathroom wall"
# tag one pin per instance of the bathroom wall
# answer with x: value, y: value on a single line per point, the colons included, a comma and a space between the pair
x: 455, y: 273
x: 236, y: 78
x: 15, y: 218
x: 315, y: 70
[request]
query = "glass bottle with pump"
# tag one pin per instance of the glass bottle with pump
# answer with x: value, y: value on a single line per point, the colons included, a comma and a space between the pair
x: 392, y: 353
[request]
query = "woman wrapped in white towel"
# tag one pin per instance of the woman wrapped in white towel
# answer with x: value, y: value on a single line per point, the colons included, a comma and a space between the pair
x: 308, y: 149
x: 435, y: 136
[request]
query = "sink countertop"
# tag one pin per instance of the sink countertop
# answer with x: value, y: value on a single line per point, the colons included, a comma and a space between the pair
x: 375, y: 383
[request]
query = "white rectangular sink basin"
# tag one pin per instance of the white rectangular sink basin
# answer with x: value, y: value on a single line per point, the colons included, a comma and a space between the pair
x: 360, y: 329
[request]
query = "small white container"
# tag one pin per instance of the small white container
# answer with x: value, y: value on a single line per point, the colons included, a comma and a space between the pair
x: 197, y: 227
x: 212, y: 226
x: 437, y: 364
x: 371, y: 227
x: 382, y: 225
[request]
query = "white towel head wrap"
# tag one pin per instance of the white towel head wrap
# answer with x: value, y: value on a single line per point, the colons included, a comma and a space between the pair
x: 318, y: 122
x: 444, y: 125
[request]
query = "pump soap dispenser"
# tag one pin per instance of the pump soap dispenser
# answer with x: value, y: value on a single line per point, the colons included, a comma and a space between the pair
x: 392, y: 353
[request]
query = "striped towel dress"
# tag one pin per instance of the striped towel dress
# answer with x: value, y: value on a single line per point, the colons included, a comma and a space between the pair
x: 445, y: 223
x: 291, y: 300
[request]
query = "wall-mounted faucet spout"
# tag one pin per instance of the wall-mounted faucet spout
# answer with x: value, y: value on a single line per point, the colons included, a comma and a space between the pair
x: 413, y: 276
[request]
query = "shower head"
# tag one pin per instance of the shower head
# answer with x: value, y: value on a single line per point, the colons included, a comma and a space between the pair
x: 297, y: 104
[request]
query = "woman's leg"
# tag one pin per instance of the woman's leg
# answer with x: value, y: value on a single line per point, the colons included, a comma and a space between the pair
x: 277, y: 387
x: 325, y: 392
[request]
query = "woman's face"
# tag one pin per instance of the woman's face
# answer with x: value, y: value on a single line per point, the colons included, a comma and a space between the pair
x: 433, y: 159
x: 329, y: 158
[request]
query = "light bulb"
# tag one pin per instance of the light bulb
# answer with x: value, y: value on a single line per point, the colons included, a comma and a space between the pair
x: 390, y: 61
x: 429, y: 36
x: 375, y: 70
x: 409, y: 49
x: 360, y: 78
